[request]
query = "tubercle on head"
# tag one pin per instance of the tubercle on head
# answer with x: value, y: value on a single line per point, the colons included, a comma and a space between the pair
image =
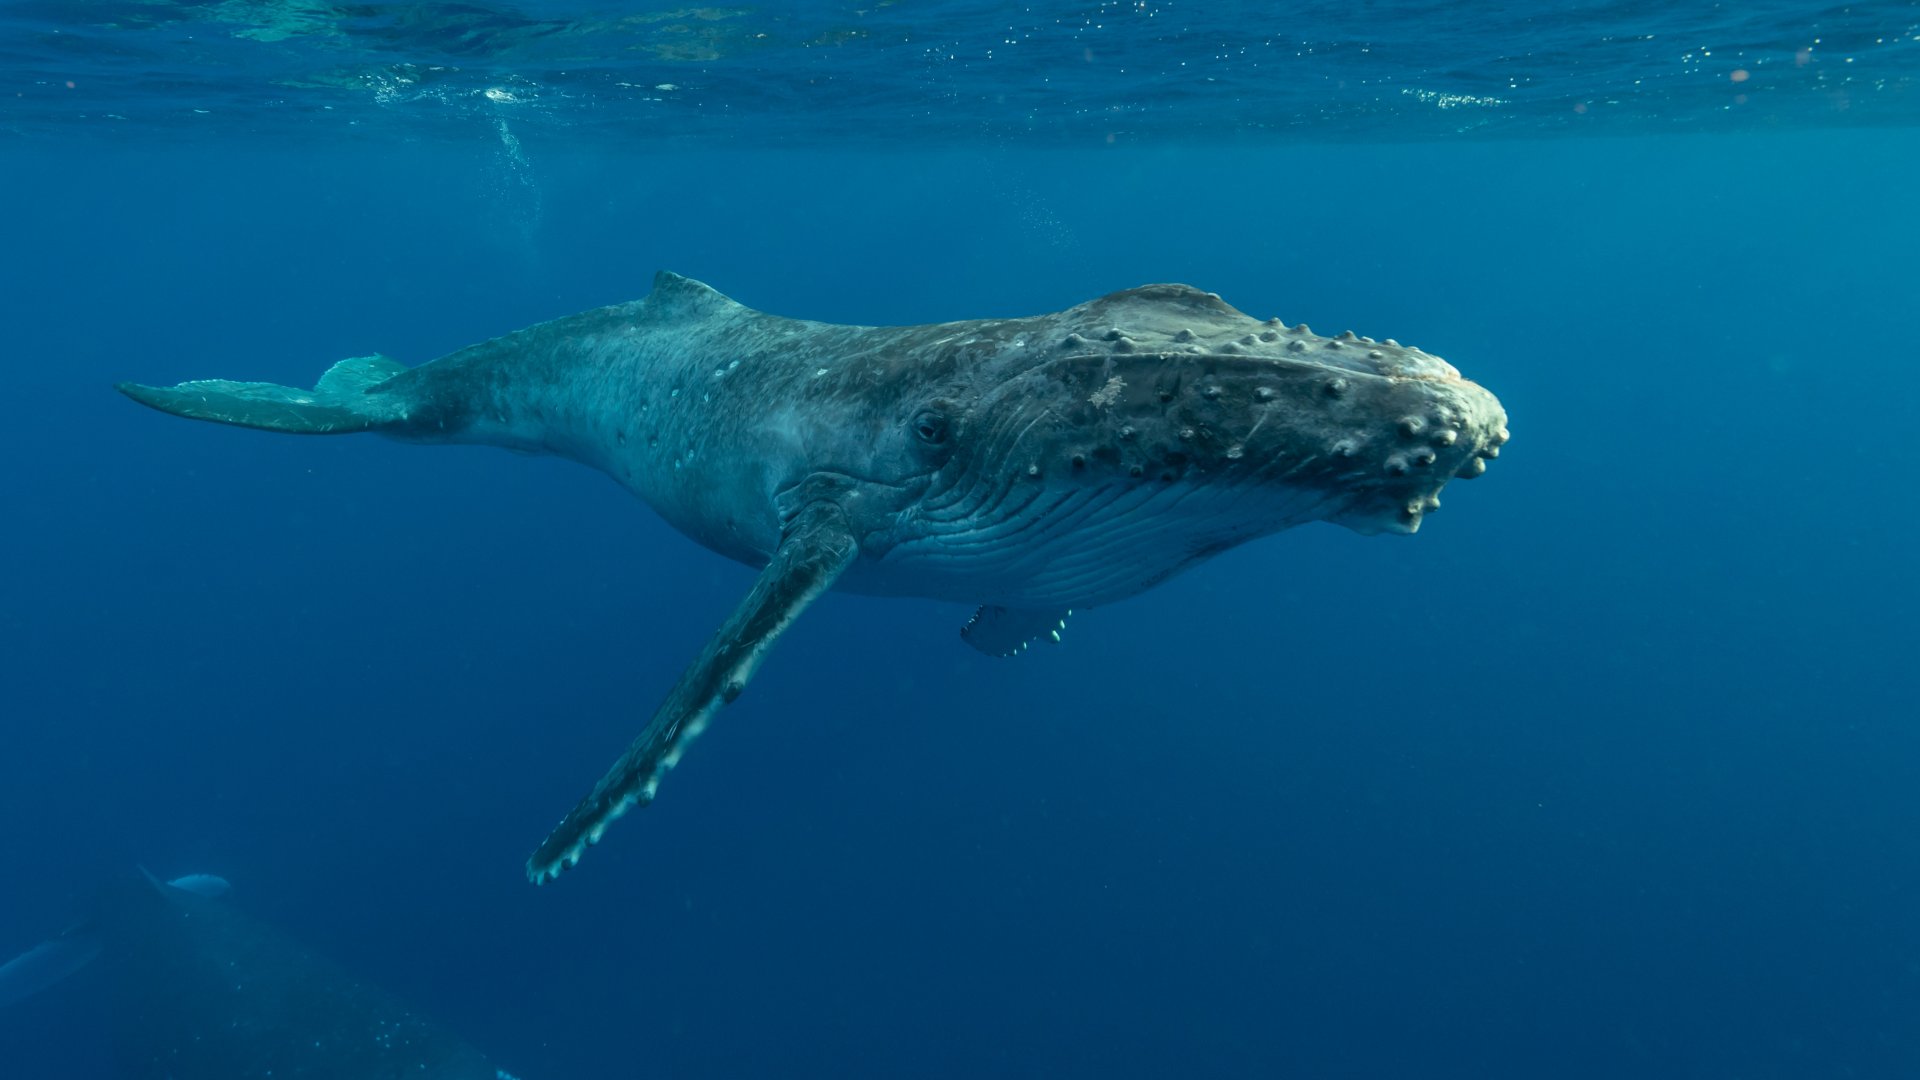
x: 1178, y: 319
x: 1382, y: 442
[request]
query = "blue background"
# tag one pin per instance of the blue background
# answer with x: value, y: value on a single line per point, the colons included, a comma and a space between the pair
x: 1610, y: 771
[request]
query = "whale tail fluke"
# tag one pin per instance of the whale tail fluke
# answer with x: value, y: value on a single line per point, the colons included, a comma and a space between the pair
x: 347, y: 398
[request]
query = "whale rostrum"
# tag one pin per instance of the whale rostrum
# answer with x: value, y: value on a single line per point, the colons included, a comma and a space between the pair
x: 1029, y: 465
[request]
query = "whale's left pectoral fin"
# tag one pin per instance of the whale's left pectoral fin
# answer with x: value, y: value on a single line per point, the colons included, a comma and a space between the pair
x: 816, y: 547
x: 1001, y: 631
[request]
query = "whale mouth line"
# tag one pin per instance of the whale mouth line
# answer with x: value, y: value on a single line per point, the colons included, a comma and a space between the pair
x: 1249, y: 362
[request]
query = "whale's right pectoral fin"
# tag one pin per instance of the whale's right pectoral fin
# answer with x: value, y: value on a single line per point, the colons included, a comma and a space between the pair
x: 339, y: 403
x: 817, y: 546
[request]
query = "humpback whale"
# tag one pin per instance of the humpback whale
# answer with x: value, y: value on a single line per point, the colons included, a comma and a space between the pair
x: 1029, y: 465
x: 202, y: 992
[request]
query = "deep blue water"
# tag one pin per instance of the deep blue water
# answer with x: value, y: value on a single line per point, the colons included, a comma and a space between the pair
x: 1612, y: 770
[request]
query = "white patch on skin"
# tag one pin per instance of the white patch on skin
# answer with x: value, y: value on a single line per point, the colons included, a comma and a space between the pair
x: 1108, y: 394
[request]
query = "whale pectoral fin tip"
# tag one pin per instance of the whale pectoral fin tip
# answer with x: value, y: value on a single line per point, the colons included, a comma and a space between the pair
x: 817, y: 547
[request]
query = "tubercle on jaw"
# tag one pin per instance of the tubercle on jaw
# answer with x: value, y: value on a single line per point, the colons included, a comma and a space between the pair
x: 1199, y: 416
x: 1205, y: 425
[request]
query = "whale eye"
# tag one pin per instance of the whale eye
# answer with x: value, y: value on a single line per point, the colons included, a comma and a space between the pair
x: 930, y: 426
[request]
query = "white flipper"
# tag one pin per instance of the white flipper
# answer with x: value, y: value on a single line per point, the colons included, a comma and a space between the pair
x: 817, y: 546
x: 46, y: 964
x: 207, y: 885
x: 50, y: 962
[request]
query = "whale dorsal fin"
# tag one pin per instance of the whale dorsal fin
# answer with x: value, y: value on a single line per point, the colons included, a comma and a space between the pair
x: 677, y: 297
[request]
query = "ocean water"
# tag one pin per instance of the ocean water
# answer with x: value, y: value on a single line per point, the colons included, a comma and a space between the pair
x: 1612, y: 770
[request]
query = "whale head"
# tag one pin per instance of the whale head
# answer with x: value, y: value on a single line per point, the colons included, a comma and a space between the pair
x: 1123, y: 440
